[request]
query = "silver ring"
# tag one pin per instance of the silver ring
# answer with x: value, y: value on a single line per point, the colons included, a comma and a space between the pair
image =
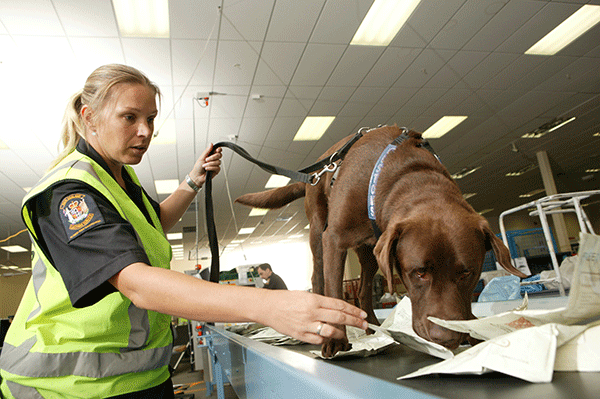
x: 319, y: 329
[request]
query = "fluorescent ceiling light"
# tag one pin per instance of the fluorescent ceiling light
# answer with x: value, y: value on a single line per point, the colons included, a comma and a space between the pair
x: 277, y: 181
x: 383, y: 21
x: 313, y: 128
x: 464, y: 172
x: 141, y: 18
x: 561, y: 124
x: 258, y: 212
x: 469, y: 195
x: 597, y: 134
x: 307, y: 227
x: 443, y: 126
x: 532, y: 193
x: 246, y: 230
x: 569, y: 30
x: 166, y: 186
x: 174, y: 236
x: 522, y: 170
x: 236, y: 241
x: 14, y: 248
x: 485, y: 211
x: 592, y: 170
x: 3, y: 145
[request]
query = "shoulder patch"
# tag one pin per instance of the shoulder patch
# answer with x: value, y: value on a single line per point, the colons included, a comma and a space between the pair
x: 79, y: 213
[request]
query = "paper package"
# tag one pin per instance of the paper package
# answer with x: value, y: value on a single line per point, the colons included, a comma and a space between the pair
x: 531, y: 344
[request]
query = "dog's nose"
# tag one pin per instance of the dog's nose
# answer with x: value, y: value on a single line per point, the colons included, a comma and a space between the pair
x: 443, y: 336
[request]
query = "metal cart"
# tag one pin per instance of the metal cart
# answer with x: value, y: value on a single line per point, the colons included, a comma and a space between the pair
x: 557, y: 203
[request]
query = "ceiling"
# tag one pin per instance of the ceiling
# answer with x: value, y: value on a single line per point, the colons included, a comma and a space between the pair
x: 271, y: 63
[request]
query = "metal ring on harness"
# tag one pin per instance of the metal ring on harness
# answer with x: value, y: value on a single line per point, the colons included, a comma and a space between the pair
x: 317, y: 176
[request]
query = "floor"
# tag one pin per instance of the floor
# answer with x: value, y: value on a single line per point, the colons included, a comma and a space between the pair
x: 190, y: 382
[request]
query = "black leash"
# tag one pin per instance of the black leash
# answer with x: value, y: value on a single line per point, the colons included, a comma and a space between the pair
x: 307, y: 175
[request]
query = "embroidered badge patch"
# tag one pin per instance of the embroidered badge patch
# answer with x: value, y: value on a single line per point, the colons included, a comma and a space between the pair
x: 79, y: 213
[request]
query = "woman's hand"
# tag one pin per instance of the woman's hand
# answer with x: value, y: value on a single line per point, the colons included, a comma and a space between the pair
x: 309, y: 317
x: 206, y: 162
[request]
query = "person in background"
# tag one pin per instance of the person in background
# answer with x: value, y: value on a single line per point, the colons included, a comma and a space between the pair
x: 95, y: 318
x: 272, y: 280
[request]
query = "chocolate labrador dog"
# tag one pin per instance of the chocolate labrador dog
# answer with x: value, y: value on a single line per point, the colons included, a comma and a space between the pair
x: 429, y: 234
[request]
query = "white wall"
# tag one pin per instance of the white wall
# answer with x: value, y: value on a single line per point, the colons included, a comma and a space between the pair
x: 292, y: 261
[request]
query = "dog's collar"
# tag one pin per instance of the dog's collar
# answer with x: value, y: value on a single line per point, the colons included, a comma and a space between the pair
x: 377, y: 170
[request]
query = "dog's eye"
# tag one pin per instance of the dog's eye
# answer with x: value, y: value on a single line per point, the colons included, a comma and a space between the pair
x: 421, y: 272
x: 465, y: 273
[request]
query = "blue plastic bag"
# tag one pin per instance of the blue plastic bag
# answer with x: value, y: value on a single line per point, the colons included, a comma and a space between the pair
x: 503, y: 288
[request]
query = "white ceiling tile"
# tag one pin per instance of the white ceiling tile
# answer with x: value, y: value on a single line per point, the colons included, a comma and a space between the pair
x: 425, y: 23
x: 266, y: 107
x: 92, y: 52
x: 502, y: 25
x: 354, y: 109
x: 369, y: 95
x: 548, y: 18
x: 254, y: 130
x: 425, y: 66
x: 326, y: 56
x: 468, y: 20
x: 236, y: 64
x: 151, y: 56
x: 354, y: 65
x: 30, y: 17
x: 326, y: 107
x: 278, y: 62
x: 489, y: 68
x: 544, y: 71
x: 513, y: 72
x: 392, y: 63
x: 163, y: 160
x: 220, y: 128
x: 292, y: 107
x: 293, y: 21
x: 87, y: 17
x: 335, y: 26
x: 193, y: 61
x: 283, y: 130
x: 194, y: 20
x: 451, y: 73
x: 303, y: 92
x: 581, y: 46
x: 236, y: 25
x: 399, y: 95
x: 331, y: 93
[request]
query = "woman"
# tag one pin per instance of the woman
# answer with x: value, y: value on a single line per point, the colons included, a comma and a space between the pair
x: 95, y: 318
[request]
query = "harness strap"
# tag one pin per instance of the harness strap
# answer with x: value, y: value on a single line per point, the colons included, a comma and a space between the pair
x: 377, y: 170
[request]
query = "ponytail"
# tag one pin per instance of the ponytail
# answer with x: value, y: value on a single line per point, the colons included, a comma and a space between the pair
x: 72, y: 129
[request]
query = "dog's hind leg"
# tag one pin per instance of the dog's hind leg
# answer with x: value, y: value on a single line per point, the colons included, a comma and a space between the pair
x: 368, y: 265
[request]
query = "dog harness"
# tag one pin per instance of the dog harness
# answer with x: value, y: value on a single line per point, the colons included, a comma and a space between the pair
x: 377, y: 171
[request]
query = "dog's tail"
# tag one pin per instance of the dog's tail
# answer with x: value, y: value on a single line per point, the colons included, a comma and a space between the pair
x: 275, y: 198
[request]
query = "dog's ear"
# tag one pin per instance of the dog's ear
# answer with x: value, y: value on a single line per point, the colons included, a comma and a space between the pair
x: 385, y: 252
x: 500, y: 251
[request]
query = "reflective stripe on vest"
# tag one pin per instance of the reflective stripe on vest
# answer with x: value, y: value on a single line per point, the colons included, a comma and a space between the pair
x: 110, y: 339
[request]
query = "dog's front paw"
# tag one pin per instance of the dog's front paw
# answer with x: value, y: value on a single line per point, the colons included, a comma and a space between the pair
x: 333, y: 346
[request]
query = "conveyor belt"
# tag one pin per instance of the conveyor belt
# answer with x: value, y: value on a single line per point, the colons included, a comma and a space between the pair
x: 259, y: 370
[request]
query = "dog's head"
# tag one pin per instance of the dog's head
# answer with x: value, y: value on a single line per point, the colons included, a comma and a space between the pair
x: 439, y: 259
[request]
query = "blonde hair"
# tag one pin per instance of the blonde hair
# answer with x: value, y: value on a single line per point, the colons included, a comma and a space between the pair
x: 96, y: 94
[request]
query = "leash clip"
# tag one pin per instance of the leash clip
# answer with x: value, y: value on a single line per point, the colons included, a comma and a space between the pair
x: 331, y: 167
